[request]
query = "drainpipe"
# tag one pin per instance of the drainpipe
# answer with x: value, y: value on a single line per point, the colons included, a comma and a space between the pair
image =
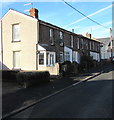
x: 37, y: 45
x: 1, y: 46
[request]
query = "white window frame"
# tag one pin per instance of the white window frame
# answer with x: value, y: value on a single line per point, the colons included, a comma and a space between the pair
x: 72, y: 40
x: 14, y: 60
x: 16, y: 33
x: 49, y: 60
x: 44, y: 58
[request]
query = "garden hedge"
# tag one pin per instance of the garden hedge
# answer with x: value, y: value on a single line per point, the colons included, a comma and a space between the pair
x: 27, y: 79
x: 9, y: 75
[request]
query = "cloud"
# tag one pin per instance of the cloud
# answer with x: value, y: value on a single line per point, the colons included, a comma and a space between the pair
x: 101, y: 10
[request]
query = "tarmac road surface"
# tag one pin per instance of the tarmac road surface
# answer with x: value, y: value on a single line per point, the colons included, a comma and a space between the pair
x: 90, y: 99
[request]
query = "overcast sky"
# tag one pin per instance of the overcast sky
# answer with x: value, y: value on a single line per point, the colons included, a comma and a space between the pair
x: 60, y: 14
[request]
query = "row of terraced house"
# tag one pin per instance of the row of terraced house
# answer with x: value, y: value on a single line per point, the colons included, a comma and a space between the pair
x: 32, y: 44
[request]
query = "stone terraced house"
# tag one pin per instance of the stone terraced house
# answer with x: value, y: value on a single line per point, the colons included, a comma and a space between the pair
x: 32, y: 44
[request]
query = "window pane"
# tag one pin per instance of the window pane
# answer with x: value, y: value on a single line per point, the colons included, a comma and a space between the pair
x: 16, y: 59
x: 67, y: 56
x: 61, y: 35
x: 51, y: 37
x: 78, y: 44
x: 41, y: 59
x: 51, y: 32
x: 71, y: 41
x: 61, y: 57
x: 81, y: 43
x: 15, y: 30
x: 47, y: 59
x: 51, y: 59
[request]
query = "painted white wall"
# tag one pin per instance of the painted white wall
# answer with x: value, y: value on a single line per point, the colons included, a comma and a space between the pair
x: 96, y: 56
x: 66, y: 49
x: 76, y: 57
x: 104, y: 53
x: 27, y: 45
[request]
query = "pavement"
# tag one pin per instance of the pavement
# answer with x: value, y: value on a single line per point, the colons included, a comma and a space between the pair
x: 24, y: 98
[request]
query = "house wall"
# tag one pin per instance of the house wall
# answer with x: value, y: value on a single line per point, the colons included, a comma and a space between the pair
x: 67, y: 39
x: 105, y: 54
x: 27, y: 45
x: 96, y: 56
x: 89, y: 45
x: 44, y: 38
x: 76, y: 44
x: 53, y: 70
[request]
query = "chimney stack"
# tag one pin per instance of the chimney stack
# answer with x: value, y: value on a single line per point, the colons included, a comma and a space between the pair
x: 73, y: 30
x: 34, y: 12
x: 88, y: 35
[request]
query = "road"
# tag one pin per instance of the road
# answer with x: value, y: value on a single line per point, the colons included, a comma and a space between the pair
x: 90, y: 99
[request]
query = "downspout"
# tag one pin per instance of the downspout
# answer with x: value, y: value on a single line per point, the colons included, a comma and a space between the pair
x: 1, y: 71
x: 1, y: 46
x: 37, y: 45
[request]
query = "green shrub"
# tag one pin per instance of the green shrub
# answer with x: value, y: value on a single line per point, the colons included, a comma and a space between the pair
x: 66, y: 68
x: 75, y: 67
x: 9, y: 75
x: 86, y: 62
x: 27, y: 79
